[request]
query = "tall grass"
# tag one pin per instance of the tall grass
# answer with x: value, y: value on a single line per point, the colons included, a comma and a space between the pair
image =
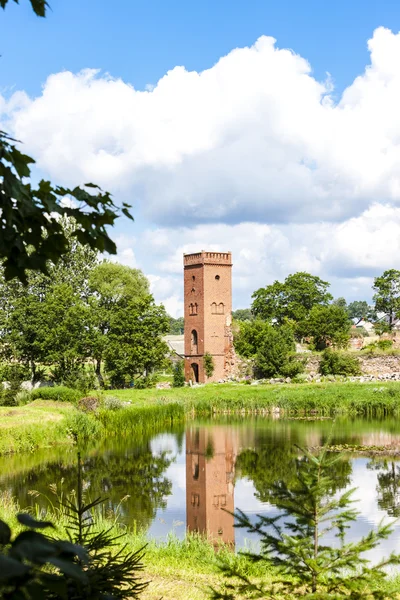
x: 326, y: 399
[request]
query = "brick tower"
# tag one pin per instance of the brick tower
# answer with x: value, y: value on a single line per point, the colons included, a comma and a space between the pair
x: 208, y: 314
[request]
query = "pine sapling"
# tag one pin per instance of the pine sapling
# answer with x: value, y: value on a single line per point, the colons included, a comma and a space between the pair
x: 294, y: 543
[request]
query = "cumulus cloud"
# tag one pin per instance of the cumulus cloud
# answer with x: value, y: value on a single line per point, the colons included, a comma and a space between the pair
x: 255, y: 137
x: 348, y: 255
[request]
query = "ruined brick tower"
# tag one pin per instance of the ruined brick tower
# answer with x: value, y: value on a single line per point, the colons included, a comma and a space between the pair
x: 208, y: 314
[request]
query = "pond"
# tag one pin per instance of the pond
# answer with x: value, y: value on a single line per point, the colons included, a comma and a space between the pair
x: 182, y: 478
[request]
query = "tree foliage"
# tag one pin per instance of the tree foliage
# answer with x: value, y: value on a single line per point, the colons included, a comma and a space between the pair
x: 387, y: 295
x: 269, y: 347
x: 327, y: 325
x: 291, y: 300
x: 179, y: 375
x: 295, y: 542
x: 243, y: 314
x: 134, y: 345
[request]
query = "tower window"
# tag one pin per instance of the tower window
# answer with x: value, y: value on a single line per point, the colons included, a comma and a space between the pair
x: 214, y: 308
x: 221, y: 308
x: 193, y: 278
x: 194, y: 341
x: 217, y: 277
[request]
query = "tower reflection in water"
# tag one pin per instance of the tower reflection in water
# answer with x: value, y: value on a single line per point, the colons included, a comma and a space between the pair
x: 210, y: 472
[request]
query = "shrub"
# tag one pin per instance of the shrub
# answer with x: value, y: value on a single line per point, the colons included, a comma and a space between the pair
x: 339, y: 363
x: 112, y: 403
x: 275, y: 347
x: 23, y: 397
x: 83, y: 427
x: 384, y: 344
x: 293, y: 367
x: 142, y: 383
x: 88, y: 404
x: 15, y: 374
x: 59, y: 393
x: 208, y: 363
x: 179, y: 375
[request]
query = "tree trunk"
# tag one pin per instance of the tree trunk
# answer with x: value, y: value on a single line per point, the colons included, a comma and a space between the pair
x: 33, y: 371
x: 98, y: 372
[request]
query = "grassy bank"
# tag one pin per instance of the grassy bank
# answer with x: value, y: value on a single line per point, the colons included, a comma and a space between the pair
x: 45, y: 423
x: 39, y: 424
x: 326, y: 399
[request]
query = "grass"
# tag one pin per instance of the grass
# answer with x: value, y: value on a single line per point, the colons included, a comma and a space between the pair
x: 325, y: 399
x: 39, y: 424
x: 45, y: 423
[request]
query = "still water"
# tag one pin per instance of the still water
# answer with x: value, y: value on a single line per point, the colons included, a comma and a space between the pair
x: 182, y: 478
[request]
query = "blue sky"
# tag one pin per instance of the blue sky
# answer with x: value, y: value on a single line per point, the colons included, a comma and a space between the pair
x: 260, y: 152
x: 140, y: 41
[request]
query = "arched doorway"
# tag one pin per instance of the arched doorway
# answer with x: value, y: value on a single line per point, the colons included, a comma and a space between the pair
x: 195, y: 372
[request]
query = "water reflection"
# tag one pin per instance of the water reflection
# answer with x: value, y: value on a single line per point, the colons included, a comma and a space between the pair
x: 210, y: 473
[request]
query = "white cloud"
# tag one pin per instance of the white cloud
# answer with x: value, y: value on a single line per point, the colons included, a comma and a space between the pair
x: 252, y: 155
x: 255, y: 137
x: 346, y: 254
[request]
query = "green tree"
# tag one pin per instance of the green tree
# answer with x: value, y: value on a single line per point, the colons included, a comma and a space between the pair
x: 340, y: 302
x: 291, y: 300
x: 270, y: 347
x: 179, y: 375
x: 31, y: 234
x: 134, y: 344
x: 110, y: 284
x: 327, y: 325
x: 360, y: 309
x: 176, y: 326
x: 34, y: 317
x: 306, y: 564
x: 387, y: 295
x: 242, y: 314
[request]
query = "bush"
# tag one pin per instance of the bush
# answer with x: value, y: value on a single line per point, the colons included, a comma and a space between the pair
x: 208, y: 363
x: 275, y: 348
x: 293, y: 367
x: 339, y: 363
x: 23, y: 397
x: 14, y: 374
x: 384, y: 344
x: 179, y: 375
x: 112, y: 403
x: 59, y: 393
x: 142, y: 383
x: 88, y: 404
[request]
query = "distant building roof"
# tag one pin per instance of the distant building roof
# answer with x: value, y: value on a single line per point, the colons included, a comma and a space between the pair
x: 176, y: 343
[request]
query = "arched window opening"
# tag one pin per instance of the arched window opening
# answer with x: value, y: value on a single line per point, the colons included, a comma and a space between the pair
x: 190, y: 309
x: 194, y: 342
x: 214, y: 308
x: 221, y: 308
x: 195, y: 308
x: 195, y: 466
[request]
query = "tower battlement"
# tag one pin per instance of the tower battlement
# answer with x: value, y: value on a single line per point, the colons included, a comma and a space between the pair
x: 208, y: 258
